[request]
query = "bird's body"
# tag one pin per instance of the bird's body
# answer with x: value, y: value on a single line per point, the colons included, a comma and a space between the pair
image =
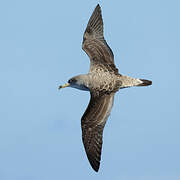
x: 102, y: 81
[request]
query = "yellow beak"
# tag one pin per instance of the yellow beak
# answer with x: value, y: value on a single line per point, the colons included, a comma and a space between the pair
x: 63, y: 86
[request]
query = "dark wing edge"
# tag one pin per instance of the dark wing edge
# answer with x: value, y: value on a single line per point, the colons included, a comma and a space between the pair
x: 94, y: 43
x: 95, y: 23
x: 92, y: 123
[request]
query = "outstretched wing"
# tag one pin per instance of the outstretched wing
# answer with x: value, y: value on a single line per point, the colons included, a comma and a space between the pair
x: 94, y: 43
x: 92, y: 123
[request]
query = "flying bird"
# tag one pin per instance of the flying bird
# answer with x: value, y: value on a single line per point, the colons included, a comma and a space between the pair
x: 102, y: 81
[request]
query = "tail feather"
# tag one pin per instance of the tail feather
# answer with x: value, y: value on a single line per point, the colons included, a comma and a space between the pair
x: 129, y: 82
x: 145, y: 82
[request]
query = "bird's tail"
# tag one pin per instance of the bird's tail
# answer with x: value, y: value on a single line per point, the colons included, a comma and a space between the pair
x: 129, y: 82
x: 144, y: 82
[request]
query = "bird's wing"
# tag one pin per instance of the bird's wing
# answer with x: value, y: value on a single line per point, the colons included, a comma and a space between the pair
x: 94, y: 43
x: 92, y: 123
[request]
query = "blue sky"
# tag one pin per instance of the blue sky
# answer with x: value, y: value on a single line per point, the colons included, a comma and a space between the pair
x: 40, y: 48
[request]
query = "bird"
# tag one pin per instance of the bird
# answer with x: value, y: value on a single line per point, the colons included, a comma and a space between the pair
x: 102, y: 81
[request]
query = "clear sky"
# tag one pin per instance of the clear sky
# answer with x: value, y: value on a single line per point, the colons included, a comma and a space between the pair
x: 40, y: 48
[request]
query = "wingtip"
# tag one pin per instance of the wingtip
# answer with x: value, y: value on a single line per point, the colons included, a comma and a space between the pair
x: 95, y: 164
x: 95, y: 167
x: 98, y: 6
x: 96, y: 170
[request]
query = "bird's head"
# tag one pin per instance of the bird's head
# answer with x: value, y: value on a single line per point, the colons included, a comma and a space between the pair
x: 78, y: 82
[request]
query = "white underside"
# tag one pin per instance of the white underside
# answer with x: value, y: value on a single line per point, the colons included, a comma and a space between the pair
x: 80, y: 87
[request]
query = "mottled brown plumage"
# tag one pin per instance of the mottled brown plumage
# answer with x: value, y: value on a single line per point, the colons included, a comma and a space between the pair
x: 92, y: 123
x: 103, y: 81
x: 95, y: 45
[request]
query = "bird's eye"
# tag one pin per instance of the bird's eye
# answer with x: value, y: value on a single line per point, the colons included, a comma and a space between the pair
x: 72, y: 81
